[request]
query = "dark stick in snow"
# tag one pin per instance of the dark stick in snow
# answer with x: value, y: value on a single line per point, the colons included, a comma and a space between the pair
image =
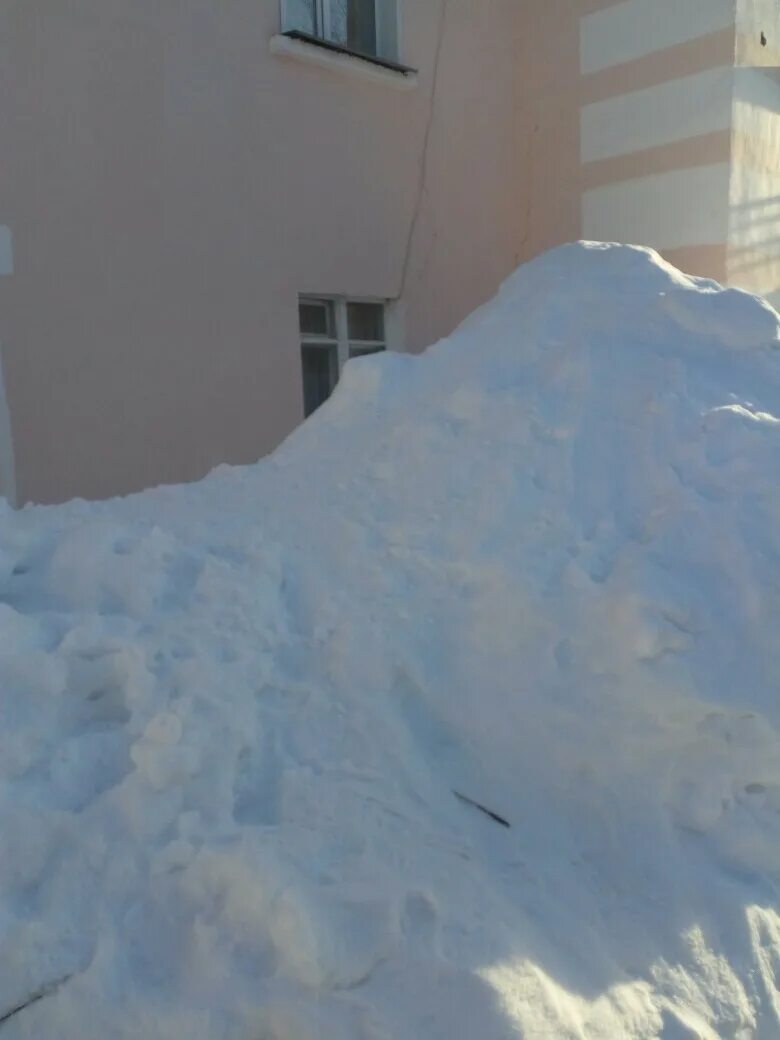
x: 45, y: 991
x: 482, y: 809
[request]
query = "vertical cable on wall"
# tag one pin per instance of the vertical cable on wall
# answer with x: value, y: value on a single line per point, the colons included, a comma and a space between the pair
x: 423, y: 171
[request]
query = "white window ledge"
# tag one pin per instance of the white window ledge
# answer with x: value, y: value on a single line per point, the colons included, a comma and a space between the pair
x: 336, y: 61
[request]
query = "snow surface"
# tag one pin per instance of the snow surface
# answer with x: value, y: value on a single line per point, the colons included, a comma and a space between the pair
x: 538, y: 566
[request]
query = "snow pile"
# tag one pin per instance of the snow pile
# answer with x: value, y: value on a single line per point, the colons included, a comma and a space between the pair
x: 246, y: 727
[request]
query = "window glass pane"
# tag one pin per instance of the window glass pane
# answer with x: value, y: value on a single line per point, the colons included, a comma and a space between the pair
x: 366, y: 321
x: 320, y: 373
x: 364, y: 351
x: 316, y: 318
x: 353, y: 23
x: 301, y: 15
x: 387, y: 29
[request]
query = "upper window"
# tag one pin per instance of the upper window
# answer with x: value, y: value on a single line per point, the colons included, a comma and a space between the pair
x: 333, y: 331
x: 368, y: 27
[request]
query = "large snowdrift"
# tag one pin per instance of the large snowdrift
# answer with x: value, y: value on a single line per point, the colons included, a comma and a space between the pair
x: 246, y: 726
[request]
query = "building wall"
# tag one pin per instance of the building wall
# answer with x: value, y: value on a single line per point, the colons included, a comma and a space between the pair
x: 754, y: 199
x: 758, y: 33
x: 172, y: 186
x: 655, y: 119
x: 625, y: 112
x: 7, y: 461
x: 680, y: 133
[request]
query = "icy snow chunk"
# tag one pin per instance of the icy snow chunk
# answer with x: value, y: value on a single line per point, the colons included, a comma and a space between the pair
x: 165, y: 728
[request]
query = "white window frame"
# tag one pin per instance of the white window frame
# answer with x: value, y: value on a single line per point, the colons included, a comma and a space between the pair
x: 341, y: 328
x: 388, y: 45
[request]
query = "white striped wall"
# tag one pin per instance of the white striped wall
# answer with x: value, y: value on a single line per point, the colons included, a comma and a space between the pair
x: 754, y: 200
x: 673, y: 210
x: 630, y: 30
x: 658, y: 86
x: 659, y: 115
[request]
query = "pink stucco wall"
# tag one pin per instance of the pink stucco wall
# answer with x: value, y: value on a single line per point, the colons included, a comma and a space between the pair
x: 172, y: 186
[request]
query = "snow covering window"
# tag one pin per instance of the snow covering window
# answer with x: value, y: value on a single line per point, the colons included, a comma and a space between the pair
x: 333, y: 330
x: 367, y: 27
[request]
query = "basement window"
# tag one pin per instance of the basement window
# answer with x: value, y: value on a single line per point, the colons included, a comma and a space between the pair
x: 368, y: 28
x: 333, y: 330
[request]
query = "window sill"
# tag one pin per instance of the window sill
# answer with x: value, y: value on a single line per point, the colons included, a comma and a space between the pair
x: 338, y: 59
